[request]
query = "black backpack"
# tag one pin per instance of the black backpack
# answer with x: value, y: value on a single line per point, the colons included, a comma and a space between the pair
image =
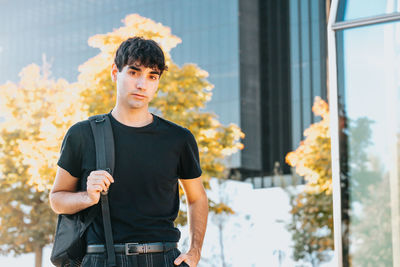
x: 69, y: 246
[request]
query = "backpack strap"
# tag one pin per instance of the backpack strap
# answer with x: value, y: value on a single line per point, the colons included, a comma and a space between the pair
x: 104, y: 142
x: 105, y: 160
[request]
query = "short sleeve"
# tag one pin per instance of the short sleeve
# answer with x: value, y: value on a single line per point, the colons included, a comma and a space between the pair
x: 70, y: 156
x: 189, y: 163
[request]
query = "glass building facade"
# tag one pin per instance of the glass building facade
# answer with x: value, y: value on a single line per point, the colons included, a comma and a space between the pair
x: 283, y: 58
x: 60, y: 30
x: 266, y: 59
x: 364, y: 47
x: 308, y: 50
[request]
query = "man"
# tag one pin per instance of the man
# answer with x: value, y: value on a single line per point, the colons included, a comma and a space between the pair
x: 151, y: 154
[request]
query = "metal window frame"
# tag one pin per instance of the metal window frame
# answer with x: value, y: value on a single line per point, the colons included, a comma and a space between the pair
x: 365, y: 21
x: 334, y: 130
x: 333, y: 27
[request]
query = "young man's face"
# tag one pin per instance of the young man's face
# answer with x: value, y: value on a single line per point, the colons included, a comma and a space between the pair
x: 136, y: 85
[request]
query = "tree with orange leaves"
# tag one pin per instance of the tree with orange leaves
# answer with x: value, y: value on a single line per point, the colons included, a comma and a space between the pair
x: 312, y: 217
x: 37, y: 111
x: 182, y: 92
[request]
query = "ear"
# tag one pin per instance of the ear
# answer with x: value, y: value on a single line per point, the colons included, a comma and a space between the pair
x: 114, y: 71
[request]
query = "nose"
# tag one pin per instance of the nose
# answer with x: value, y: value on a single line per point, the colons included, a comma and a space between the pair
x: 141, y: 82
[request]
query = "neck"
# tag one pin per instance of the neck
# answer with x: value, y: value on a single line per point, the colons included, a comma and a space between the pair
x: 132, y: 117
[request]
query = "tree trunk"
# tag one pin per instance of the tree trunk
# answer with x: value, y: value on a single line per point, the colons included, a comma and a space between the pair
x: 315, y: 262
x: 38, y: 256
x: 221, y: 243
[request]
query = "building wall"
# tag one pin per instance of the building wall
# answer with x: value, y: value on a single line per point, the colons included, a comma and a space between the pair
x: 275, y: 84
x: 250, y: 87
x: 283, y: 53
x: 308, y: 49
x: 60, y: 30
x: 266, y: 59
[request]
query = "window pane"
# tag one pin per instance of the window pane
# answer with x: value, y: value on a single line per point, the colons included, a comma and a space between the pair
x: 369, y: 118
x: 357, y: 9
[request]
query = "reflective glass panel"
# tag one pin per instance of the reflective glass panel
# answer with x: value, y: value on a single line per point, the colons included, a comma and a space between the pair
x: 358, y: 9
x: 369, y: 121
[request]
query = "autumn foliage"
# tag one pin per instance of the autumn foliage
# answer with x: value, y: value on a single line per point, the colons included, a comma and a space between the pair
x: 183, y: 91
x: 312, y: 214
x: 38, y: 110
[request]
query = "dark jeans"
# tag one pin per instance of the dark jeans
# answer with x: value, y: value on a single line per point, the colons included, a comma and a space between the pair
x: 162, y: 259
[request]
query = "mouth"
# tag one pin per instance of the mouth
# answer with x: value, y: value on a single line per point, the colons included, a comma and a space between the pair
x: 139, y: 96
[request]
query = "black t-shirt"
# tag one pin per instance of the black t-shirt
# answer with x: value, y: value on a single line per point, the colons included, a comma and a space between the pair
x: 149, y: 160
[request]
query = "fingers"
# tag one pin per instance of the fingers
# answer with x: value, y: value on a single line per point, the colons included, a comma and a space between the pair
x: 97, y: 188
x: 180, y: 259
x: 102, y: 173
x: 98, y: 185
x: 108, y: 175
x: 99, y: 180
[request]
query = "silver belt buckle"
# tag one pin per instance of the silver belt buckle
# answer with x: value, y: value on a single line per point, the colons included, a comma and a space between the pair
x: 127, y: 252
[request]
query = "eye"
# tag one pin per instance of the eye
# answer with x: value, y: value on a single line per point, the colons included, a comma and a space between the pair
x: 153, y: 77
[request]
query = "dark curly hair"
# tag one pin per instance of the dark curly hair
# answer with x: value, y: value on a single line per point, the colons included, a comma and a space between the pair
x: 144, y: 51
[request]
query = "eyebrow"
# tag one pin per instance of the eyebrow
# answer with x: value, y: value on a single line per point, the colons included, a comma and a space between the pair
x: 137, y: 69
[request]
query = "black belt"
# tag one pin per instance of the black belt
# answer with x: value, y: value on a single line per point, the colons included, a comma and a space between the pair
x: 135, y: 248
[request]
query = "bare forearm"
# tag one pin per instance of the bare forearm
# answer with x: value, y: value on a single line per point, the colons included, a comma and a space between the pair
x: 64, y: 202
x: 198, y: 213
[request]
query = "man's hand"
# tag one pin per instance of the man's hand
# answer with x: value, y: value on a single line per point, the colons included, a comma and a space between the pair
x: 64, y: 198
x: 98, y: 181
x: 191, y: 258
x: 197, y: 218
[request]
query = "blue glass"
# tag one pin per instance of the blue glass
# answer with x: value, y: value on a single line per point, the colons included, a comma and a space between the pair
x: 369, y: 117
x: 357, y: 9
x: 60, y: 29
x: 308, y: 65
x: 295, y: 73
